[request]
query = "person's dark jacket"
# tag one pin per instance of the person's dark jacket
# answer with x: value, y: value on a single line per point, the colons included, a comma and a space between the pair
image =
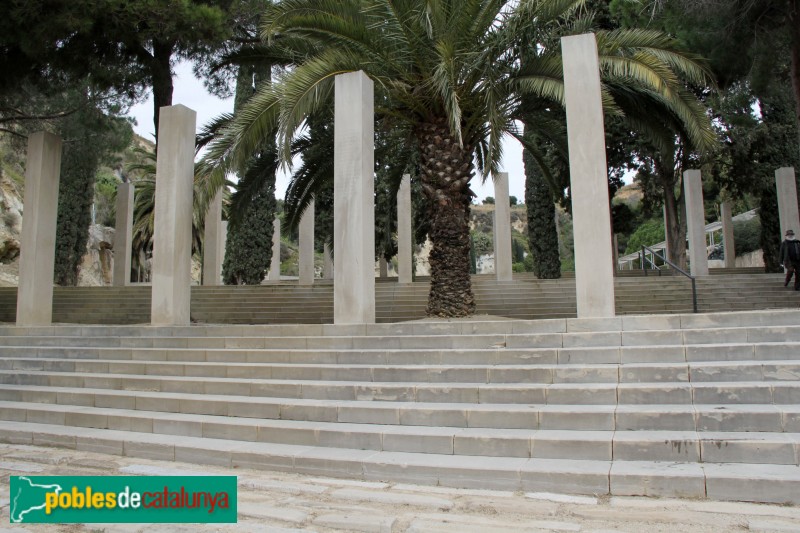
x: 785, y: 256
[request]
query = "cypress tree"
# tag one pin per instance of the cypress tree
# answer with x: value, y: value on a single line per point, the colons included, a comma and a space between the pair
x: 75, y: 196
x: 770, y: 229
x: 90, y: 138
x: 248, y: 249
x: 541, y: 210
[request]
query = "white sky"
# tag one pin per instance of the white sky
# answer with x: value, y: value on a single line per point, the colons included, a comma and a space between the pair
x: 190, y: 92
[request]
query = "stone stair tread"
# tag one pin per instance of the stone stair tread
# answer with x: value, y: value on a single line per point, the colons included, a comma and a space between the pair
x: 27, y: 362
x: 774, y: 483
x: 427, y: 384
x: 772, y: 318
x: 690, y: 405
x: 555, y: 434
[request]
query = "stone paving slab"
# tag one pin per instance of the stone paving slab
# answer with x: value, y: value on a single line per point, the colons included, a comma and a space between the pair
x: 336, y: 505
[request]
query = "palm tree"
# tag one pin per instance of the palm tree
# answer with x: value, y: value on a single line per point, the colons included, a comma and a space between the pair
x: 446, y: 72
x: 144, y: 208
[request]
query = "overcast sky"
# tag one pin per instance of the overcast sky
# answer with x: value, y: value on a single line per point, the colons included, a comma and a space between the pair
x: 190, y: 92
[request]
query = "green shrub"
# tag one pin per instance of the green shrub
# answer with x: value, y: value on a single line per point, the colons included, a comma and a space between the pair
x: 747, y: 235
x: 648, y: 234
x: 105, y: 194
x: 483, y: 243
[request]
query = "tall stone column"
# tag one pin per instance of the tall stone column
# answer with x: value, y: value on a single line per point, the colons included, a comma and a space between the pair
x: 212, y: 269
x: 223, y: 246
x: 666, y: 236
x: 502, y: 228
x: 353, y: 204
x: 787, y: 200
x: 727, y: 234
x: 172, y: 239
x: 327, y: 262
x: 404, y: 238
x: 275, y: 264
x: 306, y: 258
x: 123, y: 233
x: 38, y: 245
x: 695, y: 223
x: 591, y: 211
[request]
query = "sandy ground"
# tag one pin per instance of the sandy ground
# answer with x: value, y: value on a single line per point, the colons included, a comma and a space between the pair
x: 281, y: 503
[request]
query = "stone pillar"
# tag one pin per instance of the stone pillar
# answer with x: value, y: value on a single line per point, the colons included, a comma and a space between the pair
x: 615, y: 252
x: 172, y: 239
x: 727, y: 235
x: 502, y: 228
x: 666, y: 233
x: 594, y: 276
x: 212, y: 263
x: 353, y: 204
x: 787, y: 201
x: 223, y: 246
x: 306, y: 256
x: 327, y: 262
x: 38, y: 241
x: 275, y: 264
x: 383, y: 267
x: 123, y: 232
x: 404, y: 237
x: 695, y: 223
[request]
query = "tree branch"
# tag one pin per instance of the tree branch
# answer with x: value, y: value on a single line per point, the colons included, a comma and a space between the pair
x: 21, y: 117
x: 5, y: 130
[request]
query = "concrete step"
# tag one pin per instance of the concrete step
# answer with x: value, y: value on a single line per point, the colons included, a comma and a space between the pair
x: 721, y: 481
x: 465, y: 386
x: 676, y: 446
x: 760, y: 353
x: 777, y: 370
x: 623, y: 324
x: 696, y: 339
x: 581, y: 402
x: 601, y: 417
x: 525, y: 298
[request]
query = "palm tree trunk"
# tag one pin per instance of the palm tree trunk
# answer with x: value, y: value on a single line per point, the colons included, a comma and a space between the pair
x: 675, y: 211
x: 446, y: 170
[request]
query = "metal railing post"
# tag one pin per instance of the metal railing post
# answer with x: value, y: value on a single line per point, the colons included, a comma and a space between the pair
x: 676, y: 268
x: 642, y: 260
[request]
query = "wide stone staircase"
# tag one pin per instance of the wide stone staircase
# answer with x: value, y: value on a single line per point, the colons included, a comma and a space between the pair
x: 688, y: 405
x: 524, y: 298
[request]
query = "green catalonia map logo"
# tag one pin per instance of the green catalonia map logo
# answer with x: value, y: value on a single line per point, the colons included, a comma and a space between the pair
x: 122, y: 499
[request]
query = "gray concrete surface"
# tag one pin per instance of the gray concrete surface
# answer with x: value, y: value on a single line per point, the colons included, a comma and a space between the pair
x: 284, y: 503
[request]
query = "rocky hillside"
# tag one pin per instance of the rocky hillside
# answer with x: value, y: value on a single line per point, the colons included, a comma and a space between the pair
x: 97, y: 265
x: 10, y: 217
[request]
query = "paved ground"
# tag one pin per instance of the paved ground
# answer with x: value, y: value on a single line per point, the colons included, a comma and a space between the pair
x: 281, y: 503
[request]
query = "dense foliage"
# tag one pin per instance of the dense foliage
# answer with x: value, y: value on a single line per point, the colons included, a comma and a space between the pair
x: 249, y: 244
x: 447, y: 77
x: 248, y: 248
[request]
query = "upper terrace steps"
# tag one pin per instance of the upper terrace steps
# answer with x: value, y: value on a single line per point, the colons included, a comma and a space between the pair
x: 686, y: 405
x: 523, y: 298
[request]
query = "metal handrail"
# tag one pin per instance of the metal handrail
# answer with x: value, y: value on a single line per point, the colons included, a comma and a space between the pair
x: 655, y: 254
x: 644, y: 259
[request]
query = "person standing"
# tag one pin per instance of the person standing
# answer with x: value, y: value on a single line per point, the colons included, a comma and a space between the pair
x: 790, y: 259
